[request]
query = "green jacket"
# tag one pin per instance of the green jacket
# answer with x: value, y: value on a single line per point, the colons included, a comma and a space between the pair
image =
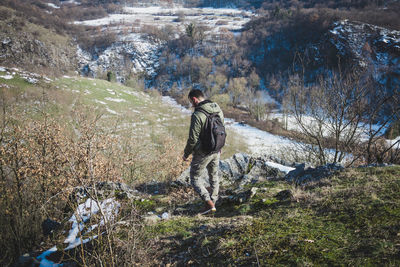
x: 196, y: 125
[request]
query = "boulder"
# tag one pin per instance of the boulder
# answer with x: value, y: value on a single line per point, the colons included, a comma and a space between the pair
x: 305, y: 173
x: 239, y: 169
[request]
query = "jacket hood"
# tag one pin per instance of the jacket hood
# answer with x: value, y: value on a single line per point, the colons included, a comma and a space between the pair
x: 209, y: 106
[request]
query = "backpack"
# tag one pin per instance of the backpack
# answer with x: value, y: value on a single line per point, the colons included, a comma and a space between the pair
x: 213, y: 134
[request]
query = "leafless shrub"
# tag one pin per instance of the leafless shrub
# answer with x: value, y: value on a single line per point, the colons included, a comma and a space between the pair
x: 339, y: 113
x: 95, y: 39
x: 42, y: 159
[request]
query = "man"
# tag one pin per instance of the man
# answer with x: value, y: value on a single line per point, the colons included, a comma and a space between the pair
x: 201, y: 159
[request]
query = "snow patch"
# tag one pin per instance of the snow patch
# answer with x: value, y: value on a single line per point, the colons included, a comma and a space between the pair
x: 53, y: 5
x: 118, y: 100
x: 258, y: 141
x: 172, y: 102
x: 7, y: 77
x: 111, y: 111
x: 395, y: 143
x: 100, y: 102
x: 111, y: 91
x: 280, y: 167
x: 108, y: 207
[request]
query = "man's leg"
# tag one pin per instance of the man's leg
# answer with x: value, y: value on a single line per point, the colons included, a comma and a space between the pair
x: 212, y: 169
x: 197, y: 168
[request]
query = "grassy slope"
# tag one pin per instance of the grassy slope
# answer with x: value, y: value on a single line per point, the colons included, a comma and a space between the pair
x: 135, y: 113
x: 123, y: 110
x: 352, y: 218
x: 349, y: 219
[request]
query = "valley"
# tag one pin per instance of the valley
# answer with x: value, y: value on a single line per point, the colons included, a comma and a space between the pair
x: 94, y: 118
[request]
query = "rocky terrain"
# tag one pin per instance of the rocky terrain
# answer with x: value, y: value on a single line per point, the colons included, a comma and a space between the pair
x: 251, y: 187
x: 136, y: 51
x: 28, y: 45
x: 91, y: 171
x: 372, y: 48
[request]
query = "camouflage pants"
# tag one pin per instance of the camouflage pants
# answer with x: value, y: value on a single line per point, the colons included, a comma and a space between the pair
x: 199, y: 164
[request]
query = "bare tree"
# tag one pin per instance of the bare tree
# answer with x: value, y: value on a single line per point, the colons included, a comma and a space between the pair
x: 343, y: 117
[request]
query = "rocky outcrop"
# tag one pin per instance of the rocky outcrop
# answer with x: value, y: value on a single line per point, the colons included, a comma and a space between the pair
x: 36, y: 53
x: 305, y: 173
x: 107, y: 189
x: 243, y: 169
x: 371, y: 47
x: 131, y: 54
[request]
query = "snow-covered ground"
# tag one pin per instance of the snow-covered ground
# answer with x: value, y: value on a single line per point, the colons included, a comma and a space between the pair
x: 179, y: 17
x: 309, y: 122
x: 259, y: 142
x: 53, y: 5
x: 395, y: 143
x: 135, y: 51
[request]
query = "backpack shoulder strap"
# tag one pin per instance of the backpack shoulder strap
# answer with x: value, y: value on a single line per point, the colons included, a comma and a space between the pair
x: 202, y: 111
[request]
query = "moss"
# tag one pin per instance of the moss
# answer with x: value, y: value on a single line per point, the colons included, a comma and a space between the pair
x: 352, y: 220
x: 145, y: 204
x: 181, y: 227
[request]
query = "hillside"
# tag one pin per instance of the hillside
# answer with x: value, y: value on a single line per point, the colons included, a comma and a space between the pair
x: 91, y: 169
x: 32, y: 46
x: 58, y: 133
x: 351, y: 218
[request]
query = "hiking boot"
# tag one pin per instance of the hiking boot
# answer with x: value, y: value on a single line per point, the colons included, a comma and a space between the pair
x: 210, y: 207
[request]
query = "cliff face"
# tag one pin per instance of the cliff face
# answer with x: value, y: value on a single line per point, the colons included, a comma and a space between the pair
x: 366, y: 47
x: 374, y: 49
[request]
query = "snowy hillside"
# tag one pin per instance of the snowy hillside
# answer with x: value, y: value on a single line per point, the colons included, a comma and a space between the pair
x: 371, y: 47
x: 137, y: 50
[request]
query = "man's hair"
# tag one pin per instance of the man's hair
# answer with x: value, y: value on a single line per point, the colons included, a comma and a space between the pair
x: 196, y: 93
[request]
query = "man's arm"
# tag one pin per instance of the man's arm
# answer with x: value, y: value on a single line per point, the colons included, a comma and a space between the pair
x: 194, y: 135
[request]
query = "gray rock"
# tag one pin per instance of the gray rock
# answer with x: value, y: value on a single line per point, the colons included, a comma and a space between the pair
x: 104, y: 190
x: 240, y: 169
x: 304, y: 173
x: 238, y: 196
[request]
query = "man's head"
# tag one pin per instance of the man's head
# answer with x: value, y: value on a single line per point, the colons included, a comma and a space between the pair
x: 195, y: 97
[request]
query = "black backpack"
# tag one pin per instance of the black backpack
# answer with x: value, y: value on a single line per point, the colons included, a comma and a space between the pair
x: 213, y: 134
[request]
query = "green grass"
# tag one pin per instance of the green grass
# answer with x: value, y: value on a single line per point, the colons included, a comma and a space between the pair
x: 351, y: 219
x: 17, y: 82
x: 355, y: 220
x: 181, y: 227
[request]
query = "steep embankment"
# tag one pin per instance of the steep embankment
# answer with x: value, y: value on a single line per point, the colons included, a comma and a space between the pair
x: 33, y: 47
x: 74, y: 132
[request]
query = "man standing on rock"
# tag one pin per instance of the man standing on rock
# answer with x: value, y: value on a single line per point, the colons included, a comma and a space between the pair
x: 204, y: 157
